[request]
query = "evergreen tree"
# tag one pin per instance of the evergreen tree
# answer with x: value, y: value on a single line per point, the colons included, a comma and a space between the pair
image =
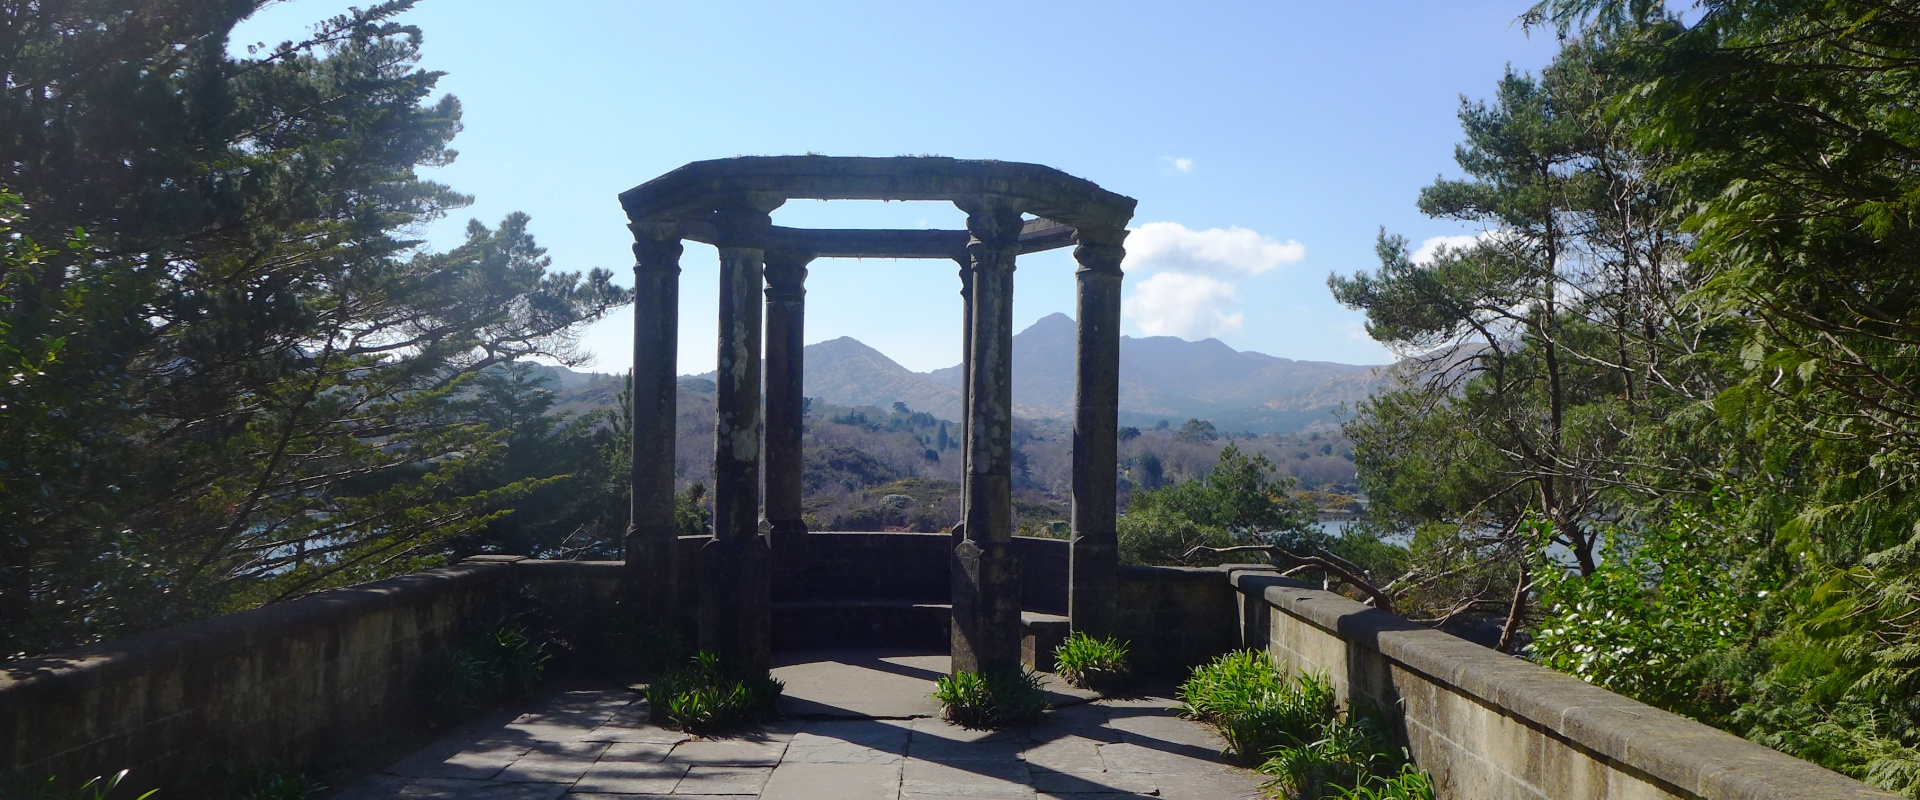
x: 252, y: 372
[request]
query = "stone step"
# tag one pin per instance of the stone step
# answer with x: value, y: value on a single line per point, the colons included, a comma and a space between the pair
x: 813, y: 624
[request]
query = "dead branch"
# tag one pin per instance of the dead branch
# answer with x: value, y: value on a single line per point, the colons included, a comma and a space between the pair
x: 1291, y: 561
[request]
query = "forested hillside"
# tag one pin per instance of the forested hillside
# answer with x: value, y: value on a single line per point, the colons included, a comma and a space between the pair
x: 873, y: 468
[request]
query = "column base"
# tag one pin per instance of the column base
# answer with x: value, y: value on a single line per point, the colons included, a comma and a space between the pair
x: 736, y: 605
x: 986, y: 607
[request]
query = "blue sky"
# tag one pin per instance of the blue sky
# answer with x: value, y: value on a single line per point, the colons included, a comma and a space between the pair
x: 1266, y: 142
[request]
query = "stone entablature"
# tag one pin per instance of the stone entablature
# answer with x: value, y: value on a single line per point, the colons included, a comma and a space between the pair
x: 758, y: 549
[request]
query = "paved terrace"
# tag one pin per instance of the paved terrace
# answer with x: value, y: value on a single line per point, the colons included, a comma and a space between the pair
x: 861, y: 725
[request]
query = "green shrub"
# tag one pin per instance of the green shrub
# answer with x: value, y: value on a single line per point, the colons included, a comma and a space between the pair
x: 500, y: 660
x: 1348, y: 754
x: 996, y: 699
x: 710, y: 695
x: 1089, y: 663
x: 99, y: 788
x: 1412, y: 783
x: 1294, y: 723
x: 1256, y: 705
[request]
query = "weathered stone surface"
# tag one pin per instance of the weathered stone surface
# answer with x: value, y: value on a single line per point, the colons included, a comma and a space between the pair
x: 843, y: 781
x: 995, y: 778
x: 786, y: 273
x: 626, y: 777
x: 650, y: 577
x: 1095, y: 574
x: 986, y: 578
x: 729, y: 752
x: 685, y: 192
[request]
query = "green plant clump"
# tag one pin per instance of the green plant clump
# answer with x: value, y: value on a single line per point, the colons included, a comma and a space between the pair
x: 501, y: 660
x: 1349, y: 755
x: 711, y: 695
x: 1089, y: 663
x: 1412, y: 783
x: 1294, y: 722
x: 1255, y: 704
x: 994, y: 699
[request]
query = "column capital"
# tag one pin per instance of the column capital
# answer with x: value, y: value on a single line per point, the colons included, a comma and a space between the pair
x: 994, y: 223
x: 1099, y: 250
x: 656, y: 247
x: 745, y: 221
x: 787, y: 274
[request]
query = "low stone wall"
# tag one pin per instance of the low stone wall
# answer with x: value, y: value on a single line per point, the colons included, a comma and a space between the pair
x: 1176, y: 618
x: 1488, y: 726
x: 316, y: 682
x: 327, y: 680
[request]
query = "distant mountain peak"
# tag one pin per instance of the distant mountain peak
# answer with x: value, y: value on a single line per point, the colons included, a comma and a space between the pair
x: 1053, y: 321
x: 1160, y: 377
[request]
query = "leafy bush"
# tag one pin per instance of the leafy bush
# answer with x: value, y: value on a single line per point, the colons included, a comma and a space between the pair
x: 1313, y: 752
x: 710, y: 695
x: 1089, y: 663
x: 1348, y: 755
x: 1229, y: 684
x: 1412, y: 783
x: 1652, y: 620
x: 995, y: 699
x: 1254, y: 703
x: 500, y: 660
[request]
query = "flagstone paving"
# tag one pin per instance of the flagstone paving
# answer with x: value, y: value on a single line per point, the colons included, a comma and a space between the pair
x: 859, y: 726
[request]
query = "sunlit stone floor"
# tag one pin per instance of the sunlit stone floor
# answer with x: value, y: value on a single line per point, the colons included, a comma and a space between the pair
x: 860, y: 725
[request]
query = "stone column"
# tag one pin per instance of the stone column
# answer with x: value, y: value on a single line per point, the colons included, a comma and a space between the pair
x: 786, y: 318
x: 735, y: 613
x: 649, y: 581
x: 986, y: 578
x: 1095, y: 570
x: 966, y: 385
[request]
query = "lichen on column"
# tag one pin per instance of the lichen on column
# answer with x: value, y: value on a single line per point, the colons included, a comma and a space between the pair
x: 986, y: 579
x: 1095, y: 567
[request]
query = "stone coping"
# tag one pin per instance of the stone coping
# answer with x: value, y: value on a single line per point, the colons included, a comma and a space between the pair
x: 693, y: 190
x: 1706, y: 761
x: 92, y: 666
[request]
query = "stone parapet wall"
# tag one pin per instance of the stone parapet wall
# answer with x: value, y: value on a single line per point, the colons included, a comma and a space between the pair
x: 1488, y: 726
x: 1175, y: 618
x: 316, y: 681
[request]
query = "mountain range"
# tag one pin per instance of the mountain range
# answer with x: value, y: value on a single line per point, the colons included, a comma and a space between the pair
x: 1161, y: 377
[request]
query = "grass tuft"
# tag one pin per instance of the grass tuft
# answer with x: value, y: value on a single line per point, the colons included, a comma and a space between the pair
x: 500, y: 660
x: 996, y: 699
x: 1089, y: 663
x: 710, y: 695
x: 1294, y: 723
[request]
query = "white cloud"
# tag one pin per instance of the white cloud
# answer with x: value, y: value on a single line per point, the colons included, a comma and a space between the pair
x: 1172, y: 164
x: 1233, y: 251
x: 1430, y: 248
x: 1183, y: 305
